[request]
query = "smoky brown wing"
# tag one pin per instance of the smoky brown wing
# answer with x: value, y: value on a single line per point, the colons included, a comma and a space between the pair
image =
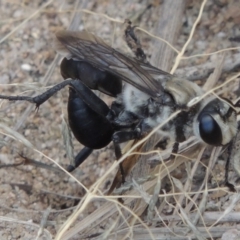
x: 87, y: 47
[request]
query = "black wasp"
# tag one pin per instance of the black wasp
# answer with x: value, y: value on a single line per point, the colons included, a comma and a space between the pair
x: 146, y: 99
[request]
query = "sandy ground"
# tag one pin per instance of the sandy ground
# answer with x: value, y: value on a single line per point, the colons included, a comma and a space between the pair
x: 29, y: 192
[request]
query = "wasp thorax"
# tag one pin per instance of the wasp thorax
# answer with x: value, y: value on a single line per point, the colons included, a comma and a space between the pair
x: 217, y: 124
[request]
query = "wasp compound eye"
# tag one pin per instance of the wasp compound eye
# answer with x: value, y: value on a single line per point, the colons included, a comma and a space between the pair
x: 209, y: 130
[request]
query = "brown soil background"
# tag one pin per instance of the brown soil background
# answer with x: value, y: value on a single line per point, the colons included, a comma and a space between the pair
x: 33, y: 197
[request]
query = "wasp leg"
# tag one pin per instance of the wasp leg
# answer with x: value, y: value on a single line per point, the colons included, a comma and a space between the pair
x: 90, y: 98
x: 118, y: 154
x: 124, y: 136
x: 117, y: 107
x: 40, y: 99
x: 227, y: 183
x: 85, y: 93
x: 80, y: 158
x: 163, y: 143
x: 120, y: 137
x: 174, y: 150
x: 133, y: 42
x: 141, y: 128
x: 125, y: 119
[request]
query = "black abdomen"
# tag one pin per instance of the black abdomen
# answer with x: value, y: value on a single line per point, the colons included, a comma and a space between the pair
x: 90, y: 128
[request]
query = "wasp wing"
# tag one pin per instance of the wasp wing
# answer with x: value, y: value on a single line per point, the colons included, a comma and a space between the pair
x: 85, y: 46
